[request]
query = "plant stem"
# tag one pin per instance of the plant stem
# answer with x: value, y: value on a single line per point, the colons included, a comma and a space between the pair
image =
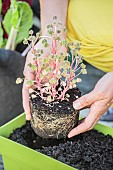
x: 11, y: 39
x: 14, y: 39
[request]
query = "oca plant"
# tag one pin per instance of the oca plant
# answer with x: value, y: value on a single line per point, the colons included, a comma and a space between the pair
x: 54, y: 75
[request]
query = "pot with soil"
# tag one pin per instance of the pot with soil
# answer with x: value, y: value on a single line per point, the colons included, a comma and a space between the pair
x: 10, y: 104
x: 88, y: 151
x: 55, y: 119
x: 54, y: 87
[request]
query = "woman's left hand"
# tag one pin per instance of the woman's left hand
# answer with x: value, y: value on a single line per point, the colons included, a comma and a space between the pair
x: 98, y: 100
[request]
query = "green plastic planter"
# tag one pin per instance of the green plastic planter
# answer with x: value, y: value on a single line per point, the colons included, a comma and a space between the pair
x: 19, y: 157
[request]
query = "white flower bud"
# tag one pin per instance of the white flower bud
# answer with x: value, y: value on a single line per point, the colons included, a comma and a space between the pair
x: 18, y: 80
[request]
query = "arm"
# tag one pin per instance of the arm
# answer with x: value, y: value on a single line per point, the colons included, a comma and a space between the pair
x: 99, y: 100
x: 49, y: 9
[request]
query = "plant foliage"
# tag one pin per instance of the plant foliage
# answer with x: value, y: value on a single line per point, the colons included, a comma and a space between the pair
x: 17, y: 22
x: 55, y: 75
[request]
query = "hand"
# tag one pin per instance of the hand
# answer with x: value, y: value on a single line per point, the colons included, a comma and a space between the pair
x: 99, y: 100
x: 29, y: 74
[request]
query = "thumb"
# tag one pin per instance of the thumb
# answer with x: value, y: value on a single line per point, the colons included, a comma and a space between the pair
x: 25, y: 94
x: 85, y: 100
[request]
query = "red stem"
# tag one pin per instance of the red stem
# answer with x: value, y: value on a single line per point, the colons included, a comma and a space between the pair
x: 66, y: 88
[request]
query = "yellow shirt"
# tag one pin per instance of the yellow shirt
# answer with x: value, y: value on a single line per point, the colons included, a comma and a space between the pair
x: 90, y: 22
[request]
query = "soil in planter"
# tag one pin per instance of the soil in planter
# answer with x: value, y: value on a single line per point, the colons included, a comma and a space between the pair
x: 58, y: 106
x: 88, y: 151
x: 55, y: 119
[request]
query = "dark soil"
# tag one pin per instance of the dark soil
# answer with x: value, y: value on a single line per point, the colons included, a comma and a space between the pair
x: 89, y: 151
x: 58, y: 106
x: 55, y: 119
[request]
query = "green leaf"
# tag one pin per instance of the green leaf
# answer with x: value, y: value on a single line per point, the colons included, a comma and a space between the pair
x: 46, y: 45
x: 74, y: 81
x: 84, y: 71
x: 1, y: 37
x: 30, y: 82
x: 7, y: 25
x: 66, y: 64
x: 12, y: 15
x: 50, y: 32
x: 15, y: 13
x: 83, y: 66
x: 65, y: 29
x: 33, y: 67
x: 58, y: 31
x: 55, y: 18
x: 52, y: 81
x: 0, y: 6
x: 44, y: 41
x: 1, y: 30
x: 58, y: 38
x: 24, y: 21
x: 4, y: 43
x: 48, y: 69
x: 64, y: 73
x: 48, y: 26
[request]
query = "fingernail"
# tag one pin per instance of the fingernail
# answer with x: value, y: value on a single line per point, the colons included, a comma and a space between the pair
x: 69, y: 136
x: 76, y: 105
x: 28, y: 117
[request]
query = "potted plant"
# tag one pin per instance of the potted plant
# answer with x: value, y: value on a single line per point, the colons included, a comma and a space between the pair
x: 53, y: 115
x: 16, y: 22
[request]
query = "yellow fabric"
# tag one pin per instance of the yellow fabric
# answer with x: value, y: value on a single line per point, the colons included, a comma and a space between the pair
x: 91, y: 23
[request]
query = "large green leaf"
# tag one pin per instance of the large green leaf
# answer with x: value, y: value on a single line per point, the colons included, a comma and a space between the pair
x: 4, y: 43
x: 12, y: 16
x: 1, y: 37
x: 1, y: 30
x: 15, y: 13
x: 6, y: 23
x: 24, y: 23
x: 0, y: 6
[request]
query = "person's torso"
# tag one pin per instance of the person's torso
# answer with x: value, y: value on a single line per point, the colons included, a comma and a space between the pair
x: 91, y: 23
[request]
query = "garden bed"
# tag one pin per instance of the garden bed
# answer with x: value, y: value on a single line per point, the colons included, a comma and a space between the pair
x: 21, y: 157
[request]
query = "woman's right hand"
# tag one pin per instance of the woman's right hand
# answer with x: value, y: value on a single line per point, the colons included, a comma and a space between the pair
x: 29, y: 74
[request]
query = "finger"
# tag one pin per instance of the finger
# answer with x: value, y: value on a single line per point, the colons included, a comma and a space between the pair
x: 85, y: 101
x: 81, y: 121
x: 28, y: 73
x: 79, y: 129
x: 26, y: 106
x: 88, y: 123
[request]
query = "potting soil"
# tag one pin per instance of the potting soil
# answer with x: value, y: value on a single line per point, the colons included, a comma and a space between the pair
x: 88, y: 151
x: 54, y: 119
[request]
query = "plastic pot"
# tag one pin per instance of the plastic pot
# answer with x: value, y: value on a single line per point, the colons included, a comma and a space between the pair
x: 11, y: 67
x: 19, y: 157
